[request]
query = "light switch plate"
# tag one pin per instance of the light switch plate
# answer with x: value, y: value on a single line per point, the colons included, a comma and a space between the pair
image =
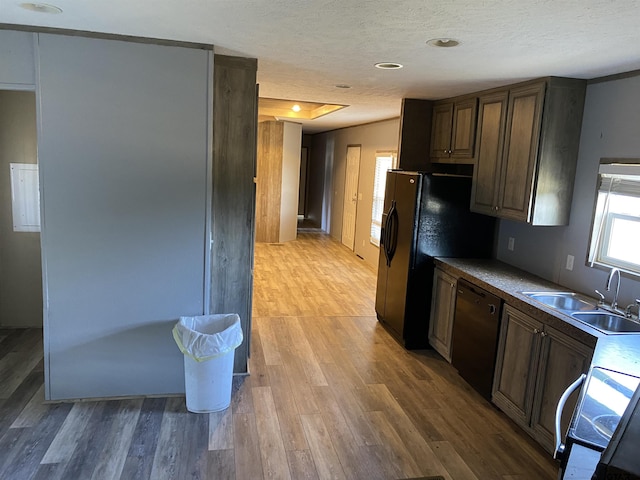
x: 511, y: 244
x: 570, y: 260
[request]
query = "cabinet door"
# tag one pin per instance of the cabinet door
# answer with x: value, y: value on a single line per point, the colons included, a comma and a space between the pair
x: 518, y: 352
x: 562, y: 360
x: 442, y: 309
x: 463, y: 133
x: 492, y: 114
x: 520, y: 156
x: 441, y: 131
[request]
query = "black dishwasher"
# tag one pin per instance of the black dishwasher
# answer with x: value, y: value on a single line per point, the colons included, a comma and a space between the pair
x: 475, y: 336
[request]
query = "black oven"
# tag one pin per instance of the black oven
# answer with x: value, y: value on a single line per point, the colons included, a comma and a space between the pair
x: 603, y: 399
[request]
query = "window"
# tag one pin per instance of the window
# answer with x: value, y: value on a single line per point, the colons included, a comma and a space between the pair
x: 384, y: 161
x: 616, y: 221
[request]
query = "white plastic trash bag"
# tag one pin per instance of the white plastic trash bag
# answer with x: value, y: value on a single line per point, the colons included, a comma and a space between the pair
x: 208, y: 336
x: 208, y: 343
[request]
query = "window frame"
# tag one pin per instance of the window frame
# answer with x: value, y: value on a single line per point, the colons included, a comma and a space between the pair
x: 376, y: 200
x: 602, y: 219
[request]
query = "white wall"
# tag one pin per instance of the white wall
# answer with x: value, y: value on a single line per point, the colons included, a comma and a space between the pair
x: 123, y: 161
x: 609, y: 129
x: 380, y: 136
x: 289, y: 194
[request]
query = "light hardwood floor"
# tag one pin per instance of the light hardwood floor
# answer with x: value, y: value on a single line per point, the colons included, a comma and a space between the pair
x: 330, y: 395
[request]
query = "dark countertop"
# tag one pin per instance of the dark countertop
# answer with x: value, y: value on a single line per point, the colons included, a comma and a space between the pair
x: 619, y: 352
x: 507, y: 282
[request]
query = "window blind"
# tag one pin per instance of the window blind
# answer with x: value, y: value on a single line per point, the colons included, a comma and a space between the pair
x: 616, y: 210
x: 384, y: 162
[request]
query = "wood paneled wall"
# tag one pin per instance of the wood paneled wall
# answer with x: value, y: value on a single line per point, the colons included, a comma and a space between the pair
x: 269, y: 181
x: 234, y: 166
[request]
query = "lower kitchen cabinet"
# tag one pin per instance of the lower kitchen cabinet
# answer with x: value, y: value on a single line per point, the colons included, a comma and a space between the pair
x: 443, y: 303
x: 535, y: 364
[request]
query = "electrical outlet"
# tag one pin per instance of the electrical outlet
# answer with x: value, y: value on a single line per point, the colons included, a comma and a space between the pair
x: 569, y: 265
x: 512, y: 244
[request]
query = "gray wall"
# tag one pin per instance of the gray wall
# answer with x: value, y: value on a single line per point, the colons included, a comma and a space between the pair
x: 17, y: 65
x: 123, y: 163
x: 373, y: 137
x: 609, y: 129
x: 20, y: 266
x: 316, y: 181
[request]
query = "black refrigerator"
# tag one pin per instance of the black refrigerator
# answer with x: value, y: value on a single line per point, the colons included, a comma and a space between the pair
x: 425, y: 216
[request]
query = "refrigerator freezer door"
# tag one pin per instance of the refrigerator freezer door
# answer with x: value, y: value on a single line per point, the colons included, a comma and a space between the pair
x: 381, y: 288
x: 431, y: 218
x: 401, y: 206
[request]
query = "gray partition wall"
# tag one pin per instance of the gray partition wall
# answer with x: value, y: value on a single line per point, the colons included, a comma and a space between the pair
x: 17, y: 64
x: 124, y: 161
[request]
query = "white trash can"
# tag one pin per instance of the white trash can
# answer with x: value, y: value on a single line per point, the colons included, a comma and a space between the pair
x: 208, y: 343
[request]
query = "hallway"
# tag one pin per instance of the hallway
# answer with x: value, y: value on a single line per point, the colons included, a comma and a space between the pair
x: 330, y: 395
x: 349, y: 400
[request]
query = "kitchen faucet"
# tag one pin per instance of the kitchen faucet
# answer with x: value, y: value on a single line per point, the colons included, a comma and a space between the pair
x: 628, y: 313
x: 614, y: 302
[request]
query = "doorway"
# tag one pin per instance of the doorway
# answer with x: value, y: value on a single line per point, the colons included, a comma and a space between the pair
x: 20, y: 258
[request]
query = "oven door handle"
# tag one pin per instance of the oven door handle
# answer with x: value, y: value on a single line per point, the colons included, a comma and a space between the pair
x: 558, y: 452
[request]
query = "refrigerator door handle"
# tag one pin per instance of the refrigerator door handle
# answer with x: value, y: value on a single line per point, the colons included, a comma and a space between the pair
x: 392, y: 234
x: 383, y: 235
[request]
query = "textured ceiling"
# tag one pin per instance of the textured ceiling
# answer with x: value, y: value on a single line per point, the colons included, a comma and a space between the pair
x: 306, y: 47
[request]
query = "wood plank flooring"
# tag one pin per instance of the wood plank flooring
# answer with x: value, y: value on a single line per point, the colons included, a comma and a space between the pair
x: 330, y: 396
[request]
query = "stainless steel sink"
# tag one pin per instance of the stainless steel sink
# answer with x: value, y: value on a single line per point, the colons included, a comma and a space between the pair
x: 566, y: 301
x: 607, y: 322
x: 586, y: 311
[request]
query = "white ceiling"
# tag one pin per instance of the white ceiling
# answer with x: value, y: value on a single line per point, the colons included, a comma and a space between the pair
x: 306, y: 47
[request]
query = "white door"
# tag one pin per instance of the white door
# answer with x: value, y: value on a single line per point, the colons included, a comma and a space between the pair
x: 350, y: 202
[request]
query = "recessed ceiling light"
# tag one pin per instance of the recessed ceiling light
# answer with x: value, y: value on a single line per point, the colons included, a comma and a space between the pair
x: 41, y: 8
x: 342, y: 85
x: 388, y: 65
x: 280, y: 109
x: 443, y: 42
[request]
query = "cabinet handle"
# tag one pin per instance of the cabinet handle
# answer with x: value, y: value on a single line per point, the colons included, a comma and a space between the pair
x: 536, y: 331
x: 446, y: 151
x: 496, y: 208
x: 543, y: 334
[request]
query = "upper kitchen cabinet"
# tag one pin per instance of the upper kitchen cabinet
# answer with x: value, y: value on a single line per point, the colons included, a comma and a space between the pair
x: 492, y: 115
x: 415, y: 134
x: 454, y: 130
x: 527, y: 148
